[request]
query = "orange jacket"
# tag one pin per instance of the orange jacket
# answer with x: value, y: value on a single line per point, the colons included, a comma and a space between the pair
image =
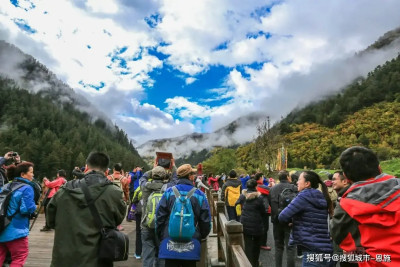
x: 124, y: 183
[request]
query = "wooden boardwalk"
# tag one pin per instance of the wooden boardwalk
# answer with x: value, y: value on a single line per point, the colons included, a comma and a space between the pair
x: 41, y: 246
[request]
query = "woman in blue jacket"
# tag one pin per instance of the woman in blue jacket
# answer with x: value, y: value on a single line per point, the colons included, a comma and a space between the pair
x: 309, y: 213
x: 14, y: 238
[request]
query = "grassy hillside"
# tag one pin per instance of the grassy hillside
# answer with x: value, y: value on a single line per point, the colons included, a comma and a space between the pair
x: 391, y: 167
x: 316, y: 146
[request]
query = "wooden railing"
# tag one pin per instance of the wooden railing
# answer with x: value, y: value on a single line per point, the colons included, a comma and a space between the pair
x: 230, y: 235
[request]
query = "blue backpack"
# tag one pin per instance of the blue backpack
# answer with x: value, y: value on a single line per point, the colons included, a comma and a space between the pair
x: 181, y: 221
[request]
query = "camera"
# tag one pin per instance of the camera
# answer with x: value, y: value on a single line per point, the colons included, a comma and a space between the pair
x: 13, y: 154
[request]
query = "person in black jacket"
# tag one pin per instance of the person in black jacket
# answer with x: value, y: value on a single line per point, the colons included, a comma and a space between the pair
x: 254, y: 213
x: 264, y: 190
x: 281, y: 231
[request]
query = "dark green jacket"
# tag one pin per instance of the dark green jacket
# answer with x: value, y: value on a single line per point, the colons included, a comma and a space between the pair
x: 76, y: 239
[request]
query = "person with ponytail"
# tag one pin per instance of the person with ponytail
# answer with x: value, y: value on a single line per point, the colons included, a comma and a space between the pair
x: 308, y: 213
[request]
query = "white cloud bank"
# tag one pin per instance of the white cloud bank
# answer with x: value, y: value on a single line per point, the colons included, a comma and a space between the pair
x: 280, y: 55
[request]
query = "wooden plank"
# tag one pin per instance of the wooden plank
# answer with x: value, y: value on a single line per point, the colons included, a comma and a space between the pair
x: 239, y: 257
x: 223, y: 221
x: 222, y: 242
x: 234, y: 227
x: 41, y: 245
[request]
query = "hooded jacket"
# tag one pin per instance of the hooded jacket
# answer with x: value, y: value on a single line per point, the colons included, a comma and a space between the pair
x: 367, y: 219
x: 202, y: 220
x: 309, y: 213
x: 230, y: 182
x: 76, y: 239
x: 148, y: 176
x: 254, y: 212
x: 148, y: 188
x: 21, y: 204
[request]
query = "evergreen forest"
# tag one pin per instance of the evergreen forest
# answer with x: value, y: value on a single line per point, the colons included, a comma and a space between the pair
x: 55, y: 135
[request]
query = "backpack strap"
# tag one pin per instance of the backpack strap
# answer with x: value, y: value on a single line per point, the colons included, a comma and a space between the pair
x: 178, y: 195
x: 92, y: 207
x: 176, y: 192
x: 191, y: 193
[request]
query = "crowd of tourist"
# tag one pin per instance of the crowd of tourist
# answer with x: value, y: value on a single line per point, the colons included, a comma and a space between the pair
x: 351, y: 219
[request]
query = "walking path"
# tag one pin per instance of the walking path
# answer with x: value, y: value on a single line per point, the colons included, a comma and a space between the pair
x: 41, y: 245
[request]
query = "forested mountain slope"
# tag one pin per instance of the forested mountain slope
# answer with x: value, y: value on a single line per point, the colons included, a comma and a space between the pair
x: 54, y: 135
x: 366, y: 113
x: 382, y: 84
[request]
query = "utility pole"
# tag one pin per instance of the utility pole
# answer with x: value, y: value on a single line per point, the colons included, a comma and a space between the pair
x: 268, y: 123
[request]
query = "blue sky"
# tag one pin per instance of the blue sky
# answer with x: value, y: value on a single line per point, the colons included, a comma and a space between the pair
x: 165, y: 68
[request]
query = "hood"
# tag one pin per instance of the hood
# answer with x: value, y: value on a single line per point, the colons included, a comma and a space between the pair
x: 263, y: 189
x: 250, y: 194
x: 314, y: 197
x: 373, y: 200
x: 96, y: 181
x: 233, y: 182
x: 154, y: 185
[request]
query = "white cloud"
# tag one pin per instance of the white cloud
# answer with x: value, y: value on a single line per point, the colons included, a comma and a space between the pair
x: 149, y: 122
x: 186, y: 108
x: 108, y: 6
x: 190, y: 80
x: 296, y: 53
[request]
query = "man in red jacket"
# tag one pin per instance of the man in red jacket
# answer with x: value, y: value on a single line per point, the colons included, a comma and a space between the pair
x: 53, y: 186
x: 366, y: 221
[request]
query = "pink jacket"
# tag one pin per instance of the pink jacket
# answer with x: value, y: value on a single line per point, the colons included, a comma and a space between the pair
x: 214, y: 183
x: 54, y: 185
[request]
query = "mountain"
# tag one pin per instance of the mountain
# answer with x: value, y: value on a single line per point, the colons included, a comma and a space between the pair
x: 365, y: 113
x: 30, y: 74
x: 47, y: 123
x: 235, y: 133
x: 243, y: 130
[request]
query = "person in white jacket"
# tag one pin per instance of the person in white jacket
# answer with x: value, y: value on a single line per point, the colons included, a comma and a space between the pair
x: 200, y: 184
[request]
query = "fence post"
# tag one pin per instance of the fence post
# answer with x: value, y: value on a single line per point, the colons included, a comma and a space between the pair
x: 214, y: 211
x: 234, y: 231
x: 220, y: 208
x: 204, y: 254
x: 210, y: 201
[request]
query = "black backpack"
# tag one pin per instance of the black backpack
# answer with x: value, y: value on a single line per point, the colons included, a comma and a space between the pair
x: 285, y: 197
x: 5, y: 197
x: 3, y: 177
